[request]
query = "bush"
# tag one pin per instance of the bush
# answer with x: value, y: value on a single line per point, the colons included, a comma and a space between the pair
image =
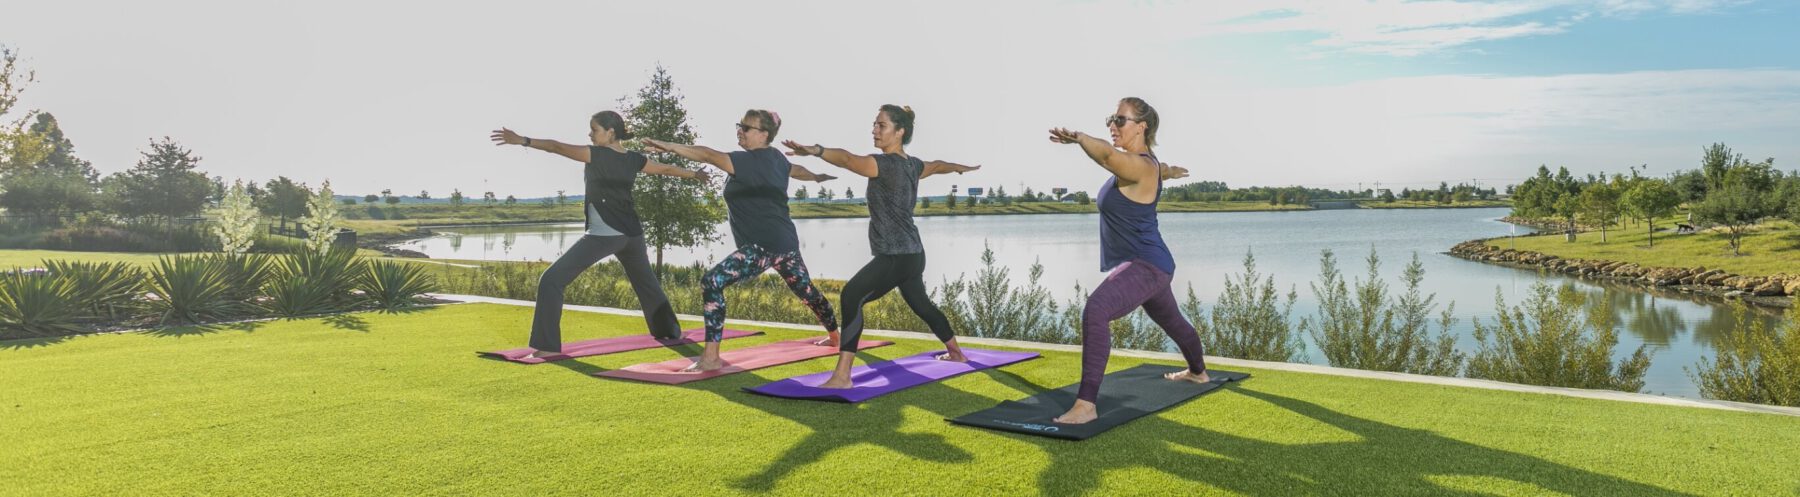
x: 193, y: 288
x: 990, y: 307
x: 37, y: 303
x: 104, y: 289
x: 394, y: 285
x: 1250, y: 321
x: 1361, y: 326
x: 1756, y: 363
x: 311, y: 282
x: 1556, y: 339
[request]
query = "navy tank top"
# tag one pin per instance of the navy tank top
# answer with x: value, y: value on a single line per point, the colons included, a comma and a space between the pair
x: 1128, y: 229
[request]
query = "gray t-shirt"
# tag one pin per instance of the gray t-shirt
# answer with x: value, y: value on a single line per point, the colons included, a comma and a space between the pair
x: 891, y: 195
x: 597, y: 226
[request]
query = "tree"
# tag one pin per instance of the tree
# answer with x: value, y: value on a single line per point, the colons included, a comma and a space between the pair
x: 371, y: 198
x: 234, y: 221
x: 487, y: 197
x: 321, y: 220
x: 393, y: 200
x: 510, y: 200
x: 849, y: 193
x: 826, y: 193
x: 970, y: 201
x: 925, y: 202
x: 800, y: 194
x: 456, y: 198
x: 1715, y: 160
x: 1599, y: 206
x: 1650, y: 199
x: 164, y: 183
x: 561, y: 197
x: 424, y: 195
x: 385, y: 194
x: 18, y: 148
x: 286, y: 199
x: 1743, y: 198
x: 950, y: 201
x: 1082, y: 198
x: 675, y: 212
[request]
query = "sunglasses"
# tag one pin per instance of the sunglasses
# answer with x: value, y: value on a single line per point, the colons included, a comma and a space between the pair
x: 743, y: 128
x: 1119, y: 120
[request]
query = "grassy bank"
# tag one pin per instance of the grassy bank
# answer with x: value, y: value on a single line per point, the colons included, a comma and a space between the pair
x: 1414, y: 204
x: 1770, y: 249
x: 377, y: 404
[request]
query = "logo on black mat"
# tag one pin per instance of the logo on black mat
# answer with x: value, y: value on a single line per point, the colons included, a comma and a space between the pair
x: 1029, y: 426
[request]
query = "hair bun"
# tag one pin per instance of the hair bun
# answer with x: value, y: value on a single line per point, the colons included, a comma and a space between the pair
x: 907, y: 108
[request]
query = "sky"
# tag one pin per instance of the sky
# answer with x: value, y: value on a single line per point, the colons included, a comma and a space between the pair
x: 1331, y: 94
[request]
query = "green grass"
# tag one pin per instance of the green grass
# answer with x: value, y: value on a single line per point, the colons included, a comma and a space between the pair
x: 1773, y: 249
x: 11, y: 258
x: 376, y: 404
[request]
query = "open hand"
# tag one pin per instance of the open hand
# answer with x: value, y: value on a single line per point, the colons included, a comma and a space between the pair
x: 505, y: 136
x: 1063, y: 135
x: 798, y: 150
x: 654, y: 146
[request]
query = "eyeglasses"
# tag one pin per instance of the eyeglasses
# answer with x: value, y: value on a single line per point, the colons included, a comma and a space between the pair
x: 742, y: 128
x: 1119, y: 120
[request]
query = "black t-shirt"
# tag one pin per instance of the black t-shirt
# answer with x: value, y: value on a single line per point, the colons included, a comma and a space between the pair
x: 609, y: 176
x: 891, y: 195
x: 756, y: 196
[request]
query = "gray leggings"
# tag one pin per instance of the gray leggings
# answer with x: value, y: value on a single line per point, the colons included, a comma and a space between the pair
x: 546, y: 324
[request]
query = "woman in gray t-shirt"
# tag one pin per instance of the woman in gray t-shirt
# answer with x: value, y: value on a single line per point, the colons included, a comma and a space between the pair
x: 899, y: 254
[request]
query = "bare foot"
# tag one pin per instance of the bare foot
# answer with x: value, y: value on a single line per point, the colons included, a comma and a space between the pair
x: 1083, y: 412
x: 837, y: 381
x: 953, y: 355
x: 829, y: 341
x: 1185, y: 375
x: 703, y: 364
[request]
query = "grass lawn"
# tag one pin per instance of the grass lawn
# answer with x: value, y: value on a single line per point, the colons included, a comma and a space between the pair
x: 1774, y: 248
x: 379, y: 404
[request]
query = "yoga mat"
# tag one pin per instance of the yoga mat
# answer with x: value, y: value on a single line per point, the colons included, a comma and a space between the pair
x: 1124, y: 396
x: 599, y: 346
x: 882, y: 378
x: 736, y: 361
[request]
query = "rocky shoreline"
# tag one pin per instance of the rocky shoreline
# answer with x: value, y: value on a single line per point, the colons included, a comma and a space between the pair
x: 1770, y: 291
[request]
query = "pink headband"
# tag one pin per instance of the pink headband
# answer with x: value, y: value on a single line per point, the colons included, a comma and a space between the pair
x: 777, y: 117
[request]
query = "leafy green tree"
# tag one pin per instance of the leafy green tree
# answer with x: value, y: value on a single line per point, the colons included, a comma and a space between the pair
x: 676, y: 212
x: 1650, y: 199
x: 164, y: 184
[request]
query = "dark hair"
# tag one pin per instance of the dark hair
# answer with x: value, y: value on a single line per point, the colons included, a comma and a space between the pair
x: 770, y: 121
x: 1147, y: 114
x: 902, y: 116
x: 611, y: 120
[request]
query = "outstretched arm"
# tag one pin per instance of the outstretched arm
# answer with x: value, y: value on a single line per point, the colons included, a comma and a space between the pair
x: 1125, y: 166
x: 1174, y: 172
x: 804, y: 174
x: 942, y: 167
x: 661, y: 169
x: 862, y: 165
x: 505, y: 136
x: 694, y: 153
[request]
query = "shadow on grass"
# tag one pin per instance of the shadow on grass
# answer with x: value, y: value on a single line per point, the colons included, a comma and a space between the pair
x: 1383, y: 460
x: 32, y: 342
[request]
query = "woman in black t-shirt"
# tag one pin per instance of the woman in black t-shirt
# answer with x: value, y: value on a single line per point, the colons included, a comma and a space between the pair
x: 899, y: 252
x: 756, y: 197
x: 613, y: 228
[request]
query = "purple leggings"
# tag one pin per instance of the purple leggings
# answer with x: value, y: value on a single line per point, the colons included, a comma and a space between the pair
x: 1132, y: 284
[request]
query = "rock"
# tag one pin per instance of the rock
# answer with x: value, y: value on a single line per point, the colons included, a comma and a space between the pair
x: 1769, y: 289
x: 1792, y: 287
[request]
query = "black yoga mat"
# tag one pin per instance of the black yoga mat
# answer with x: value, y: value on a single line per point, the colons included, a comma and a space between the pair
x: 1124, y: 396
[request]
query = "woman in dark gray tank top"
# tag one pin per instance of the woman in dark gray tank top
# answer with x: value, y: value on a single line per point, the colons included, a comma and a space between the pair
x: 613, y: 228
x: 756, y: 198
x: 899, y: 253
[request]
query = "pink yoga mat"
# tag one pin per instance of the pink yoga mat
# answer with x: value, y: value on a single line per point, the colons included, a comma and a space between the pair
x: 736, y: 361
x: 600, y: 346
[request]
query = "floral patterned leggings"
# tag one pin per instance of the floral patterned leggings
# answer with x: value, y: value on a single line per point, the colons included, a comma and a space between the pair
x: 748, y: 262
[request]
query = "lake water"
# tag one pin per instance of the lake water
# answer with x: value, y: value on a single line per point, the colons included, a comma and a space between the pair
x: 1207, y: 246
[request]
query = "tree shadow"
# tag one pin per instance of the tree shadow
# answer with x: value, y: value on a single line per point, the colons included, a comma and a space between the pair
x: 194, y: 330
x: 1388, y: 459
x: 33, y: 342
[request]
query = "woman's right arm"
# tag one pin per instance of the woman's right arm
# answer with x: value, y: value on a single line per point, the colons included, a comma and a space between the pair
x: 694, y: 153
x: 505, y: 136
x: 1126, y: 166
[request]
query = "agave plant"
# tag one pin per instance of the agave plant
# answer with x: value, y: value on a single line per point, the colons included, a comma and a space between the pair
x: 313, y: 282
x: 248, y: 273
x: 193, y: 288
x: 38, y: 304
x: 393, y: 285
x: 104, y: 289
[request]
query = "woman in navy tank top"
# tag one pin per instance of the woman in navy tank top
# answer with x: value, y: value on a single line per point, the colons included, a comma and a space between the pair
x: 1132, y: 248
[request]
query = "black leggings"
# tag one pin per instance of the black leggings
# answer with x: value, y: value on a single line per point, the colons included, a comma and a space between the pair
x: 885, y: 273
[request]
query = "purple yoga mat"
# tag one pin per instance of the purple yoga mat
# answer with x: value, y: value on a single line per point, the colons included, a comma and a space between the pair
x: 600, y: 346
x: 882, y: 378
